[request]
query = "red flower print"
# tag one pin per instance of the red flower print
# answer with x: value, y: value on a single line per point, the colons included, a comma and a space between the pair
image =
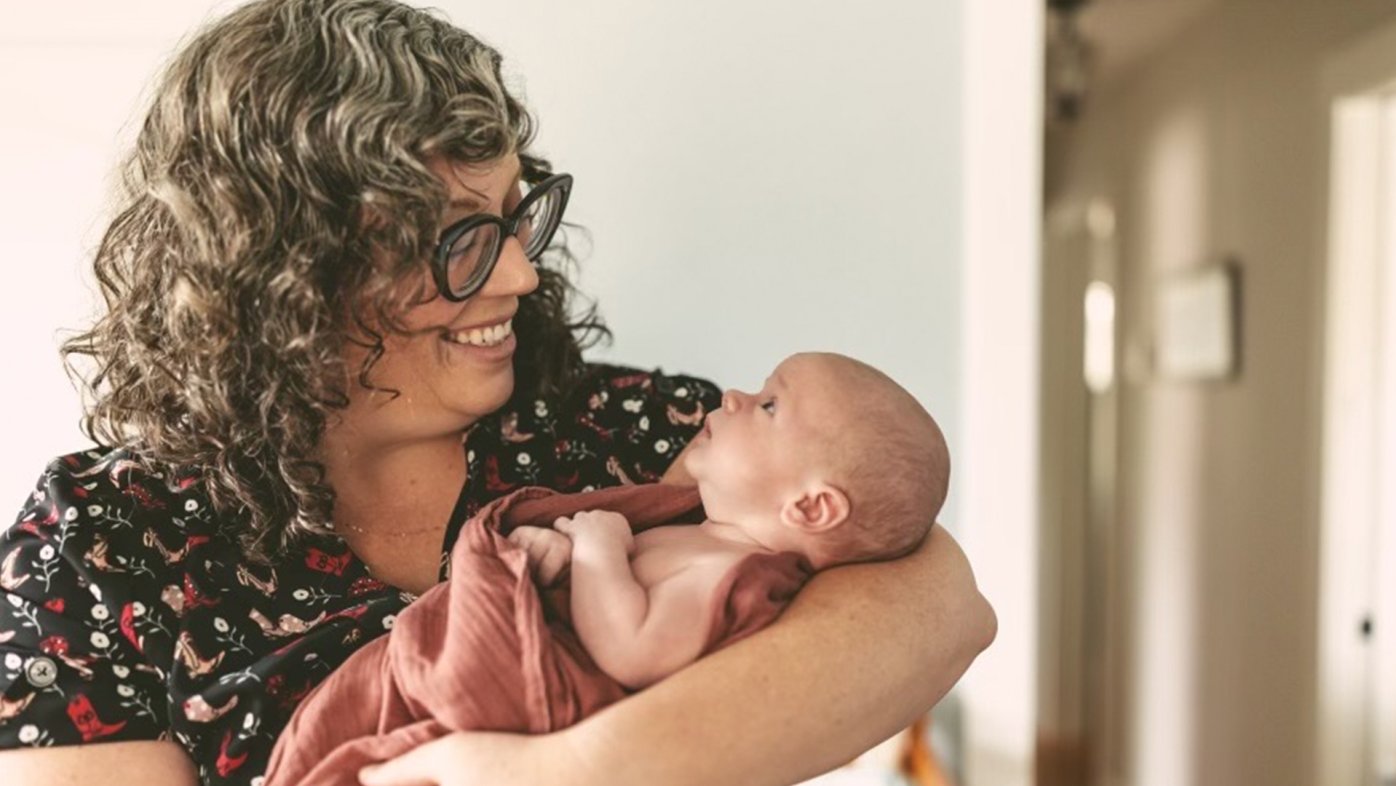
x: 54, y: 645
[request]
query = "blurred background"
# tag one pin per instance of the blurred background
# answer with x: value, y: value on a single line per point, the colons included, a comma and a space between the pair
x: 1135, y: 255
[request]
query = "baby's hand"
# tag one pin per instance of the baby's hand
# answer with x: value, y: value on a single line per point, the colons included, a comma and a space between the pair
x: 601, y: 525
x: 549, y: 552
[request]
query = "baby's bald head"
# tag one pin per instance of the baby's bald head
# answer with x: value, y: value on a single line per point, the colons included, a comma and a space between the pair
x: 888, y: 455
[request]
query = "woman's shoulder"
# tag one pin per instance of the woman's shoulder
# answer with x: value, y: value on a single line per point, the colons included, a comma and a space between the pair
x: 103, y: 526
x: 84, y: 569
x: 126, y: 615
x: 104, y: 498
x: 105, y: 470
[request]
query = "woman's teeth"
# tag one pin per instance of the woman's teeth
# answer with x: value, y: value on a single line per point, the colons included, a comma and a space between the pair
x: 482, y: 337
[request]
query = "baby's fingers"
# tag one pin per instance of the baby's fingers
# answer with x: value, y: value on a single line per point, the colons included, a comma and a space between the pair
x: 525, y: 536
x: 554, y: 562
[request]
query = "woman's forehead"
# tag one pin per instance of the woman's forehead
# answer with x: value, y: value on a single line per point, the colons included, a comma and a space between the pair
x: 477, y: 183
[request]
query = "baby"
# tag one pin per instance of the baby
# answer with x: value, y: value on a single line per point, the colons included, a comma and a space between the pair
x: 831, y: 460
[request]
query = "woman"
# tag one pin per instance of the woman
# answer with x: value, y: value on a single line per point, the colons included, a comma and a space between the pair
x: 330, y: 339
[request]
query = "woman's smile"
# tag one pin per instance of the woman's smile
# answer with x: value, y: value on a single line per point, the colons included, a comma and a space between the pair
x: 494, y: 343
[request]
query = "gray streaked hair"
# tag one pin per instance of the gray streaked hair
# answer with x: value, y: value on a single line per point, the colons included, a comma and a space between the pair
x: 276, y: 202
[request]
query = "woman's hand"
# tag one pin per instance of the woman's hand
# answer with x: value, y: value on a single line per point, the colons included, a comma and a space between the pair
x: 477, y: 758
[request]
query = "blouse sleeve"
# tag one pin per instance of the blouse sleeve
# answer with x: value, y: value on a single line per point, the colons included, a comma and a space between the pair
x: 618, y: 425
x: 70, y: 668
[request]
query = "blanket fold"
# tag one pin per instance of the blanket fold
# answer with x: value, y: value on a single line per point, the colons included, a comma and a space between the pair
x: 487, y: 650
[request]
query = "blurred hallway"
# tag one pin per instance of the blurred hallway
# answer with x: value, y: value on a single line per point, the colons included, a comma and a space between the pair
x: 1193, y: 599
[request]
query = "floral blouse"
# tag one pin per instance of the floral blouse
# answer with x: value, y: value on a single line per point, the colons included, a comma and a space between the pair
x: 126, y: 615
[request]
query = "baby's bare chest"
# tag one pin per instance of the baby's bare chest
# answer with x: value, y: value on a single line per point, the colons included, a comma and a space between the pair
x: 662, y: 552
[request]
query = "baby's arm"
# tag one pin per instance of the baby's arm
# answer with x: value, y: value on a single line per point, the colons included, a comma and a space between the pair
x: 549, y: 551
x: 635, y: 636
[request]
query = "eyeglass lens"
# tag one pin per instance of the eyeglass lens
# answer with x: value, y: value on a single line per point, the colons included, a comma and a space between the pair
x: 472, y: 255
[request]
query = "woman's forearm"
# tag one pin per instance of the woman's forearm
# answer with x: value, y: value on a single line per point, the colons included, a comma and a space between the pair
x: 861, y: 652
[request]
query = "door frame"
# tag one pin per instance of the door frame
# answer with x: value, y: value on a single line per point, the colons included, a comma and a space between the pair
x: 1356, y: 721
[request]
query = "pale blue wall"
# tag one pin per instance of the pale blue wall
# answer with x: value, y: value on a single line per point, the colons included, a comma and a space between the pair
x: 758, y: 177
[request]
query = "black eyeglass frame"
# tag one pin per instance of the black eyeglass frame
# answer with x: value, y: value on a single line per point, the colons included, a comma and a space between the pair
x: 507, y: 227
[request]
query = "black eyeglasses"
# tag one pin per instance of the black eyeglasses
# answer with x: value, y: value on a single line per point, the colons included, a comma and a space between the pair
x: 469, y: 248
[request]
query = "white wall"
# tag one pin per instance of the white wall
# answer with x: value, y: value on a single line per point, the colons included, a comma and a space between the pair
x: 758, y: 178
x: 1002, y: 184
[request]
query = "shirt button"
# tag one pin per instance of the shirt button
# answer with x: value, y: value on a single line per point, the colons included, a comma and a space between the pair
x: 41, y: 672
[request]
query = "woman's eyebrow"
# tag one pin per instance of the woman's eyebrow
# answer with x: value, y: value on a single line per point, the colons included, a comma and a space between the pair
x: 475, y: 200
x: 466, y: 203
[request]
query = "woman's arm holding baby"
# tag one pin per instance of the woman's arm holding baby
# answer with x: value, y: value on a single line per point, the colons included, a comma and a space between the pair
x: 861, y: 652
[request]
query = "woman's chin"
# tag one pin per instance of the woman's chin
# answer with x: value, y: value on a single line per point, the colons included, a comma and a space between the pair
x: 481, y: 369
x: 486, y: 393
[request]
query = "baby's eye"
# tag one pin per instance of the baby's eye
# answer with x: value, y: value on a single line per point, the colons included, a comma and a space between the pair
x: 769, y: 406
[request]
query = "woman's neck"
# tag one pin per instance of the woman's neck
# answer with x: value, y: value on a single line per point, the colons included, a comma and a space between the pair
x: 372, y: 474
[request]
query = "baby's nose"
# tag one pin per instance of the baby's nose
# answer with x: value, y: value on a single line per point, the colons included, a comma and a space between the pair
x: 731, y: 400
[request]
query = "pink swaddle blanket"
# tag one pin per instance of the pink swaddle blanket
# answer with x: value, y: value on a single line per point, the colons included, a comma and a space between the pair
x: 488, y: 650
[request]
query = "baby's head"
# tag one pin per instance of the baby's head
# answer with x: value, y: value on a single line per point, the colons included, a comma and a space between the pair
x: 830, y: 458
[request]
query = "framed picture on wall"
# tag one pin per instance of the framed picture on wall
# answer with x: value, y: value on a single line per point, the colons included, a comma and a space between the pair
x: 1198, y: 324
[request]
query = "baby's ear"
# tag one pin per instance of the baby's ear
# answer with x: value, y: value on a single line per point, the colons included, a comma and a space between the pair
x: 820, y: 508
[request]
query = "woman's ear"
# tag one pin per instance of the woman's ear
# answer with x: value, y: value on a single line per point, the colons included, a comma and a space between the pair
x: 820, y: 508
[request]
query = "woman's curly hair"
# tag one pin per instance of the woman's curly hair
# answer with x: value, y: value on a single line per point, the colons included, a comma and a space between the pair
x: 243, y: 257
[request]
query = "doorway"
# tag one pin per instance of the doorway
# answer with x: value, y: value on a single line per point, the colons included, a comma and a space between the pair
x: 1357, y: 604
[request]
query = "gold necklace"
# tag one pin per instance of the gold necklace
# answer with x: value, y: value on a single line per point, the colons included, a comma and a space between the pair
x: 397, y: 534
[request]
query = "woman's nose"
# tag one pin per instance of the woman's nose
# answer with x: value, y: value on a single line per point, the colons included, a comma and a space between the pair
x: 513, y: 273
